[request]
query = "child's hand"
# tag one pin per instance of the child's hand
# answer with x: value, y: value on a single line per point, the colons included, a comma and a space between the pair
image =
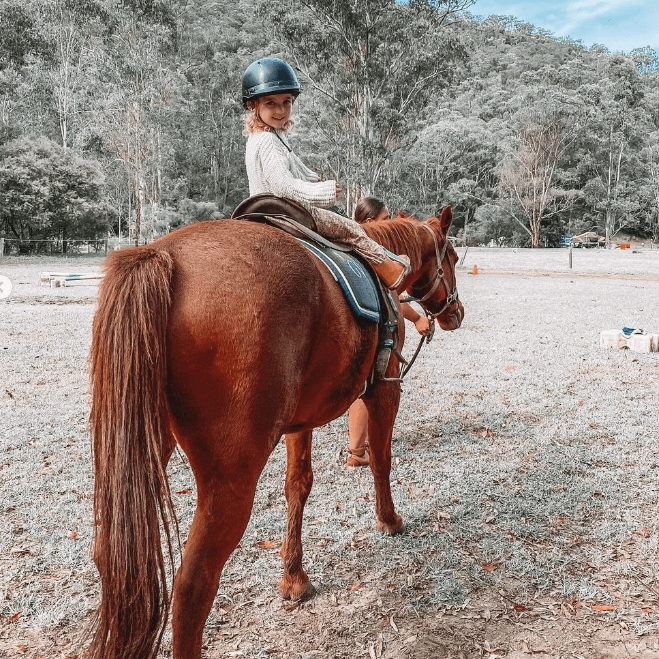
x: 339, y: 189
x: 422, y: 325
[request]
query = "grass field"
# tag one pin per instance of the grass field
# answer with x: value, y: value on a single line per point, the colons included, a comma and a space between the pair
x: 525, y: 467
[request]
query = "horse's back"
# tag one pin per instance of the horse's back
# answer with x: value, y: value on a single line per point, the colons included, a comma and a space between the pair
x: 235, y: 261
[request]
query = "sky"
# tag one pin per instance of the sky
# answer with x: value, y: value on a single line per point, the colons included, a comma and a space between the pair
x: 620, y: 25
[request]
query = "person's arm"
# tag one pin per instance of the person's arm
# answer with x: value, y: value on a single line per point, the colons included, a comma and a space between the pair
x: 274, y: 160
x: 421, y: 323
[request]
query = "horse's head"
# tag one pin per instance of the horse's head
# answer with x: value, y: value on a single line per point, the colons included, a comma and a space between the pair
x: 432, y: 280
x: 433, y: 284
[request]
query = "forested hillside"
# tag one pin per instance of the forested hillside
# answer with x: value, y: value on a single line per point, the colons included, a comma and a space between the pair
x: 127, y: 116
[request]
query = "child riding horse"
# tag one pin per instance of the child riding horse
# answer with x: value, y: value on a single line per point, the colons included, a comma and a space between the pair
x: 270, y: 87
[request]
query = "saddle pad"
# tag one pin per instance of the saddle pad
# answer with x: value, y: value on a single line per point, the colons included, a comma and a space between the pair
x: 354, y: 278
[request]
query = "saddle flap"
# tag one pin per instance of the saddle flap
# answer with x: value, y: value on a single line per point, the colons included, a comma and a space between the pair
x: 269, y: 204
x: 355, y: 279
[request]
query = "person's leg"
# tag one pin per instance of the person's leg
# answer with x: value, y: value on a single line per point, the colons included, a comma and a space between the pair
x: 390, y: 268
x: 343, y: 229
x: 358, y: 434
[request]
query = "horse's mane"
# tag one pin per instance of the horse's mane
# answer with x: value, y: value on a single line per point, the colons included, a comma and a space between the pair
x: 399, y: 235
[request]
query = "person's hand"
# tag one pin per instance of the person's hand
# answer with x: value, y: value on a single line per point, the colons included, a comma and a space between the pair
x: 339, y: 189
x: 422, y: 325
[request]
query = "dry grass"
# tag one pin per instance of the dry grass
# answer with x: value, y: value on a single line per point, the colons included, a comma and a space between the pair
x: 524, y: 465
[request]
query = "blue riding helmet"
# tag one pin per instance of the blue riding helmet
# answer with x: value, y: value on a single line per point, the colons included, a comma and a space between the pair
x: 269, y: 75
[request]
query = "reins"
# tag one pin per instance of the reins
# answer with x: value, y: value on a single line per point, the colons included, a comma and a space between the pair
x: 427, y: 338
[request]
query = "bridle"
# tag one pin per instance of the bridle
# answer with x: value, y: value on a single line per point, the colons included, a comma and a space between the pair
x: 440, y: 278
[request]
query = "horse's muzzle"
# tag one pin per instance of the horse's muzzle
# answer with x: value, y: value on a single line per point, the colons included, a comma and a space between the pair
x: 451, y: 318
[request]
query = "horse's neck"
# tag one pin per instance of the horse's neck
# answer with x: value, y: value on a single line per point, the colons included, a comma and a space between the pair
x: 400, y: 236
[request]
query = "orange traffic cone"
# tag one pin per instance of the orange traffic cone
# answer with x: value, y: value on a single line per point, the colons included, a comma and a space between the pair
x: 474, y: 270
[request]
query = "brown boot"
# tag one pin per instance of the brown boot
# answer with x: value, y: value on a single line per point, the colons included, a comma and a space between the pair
x: 393, y: 270
x: 358, y: 457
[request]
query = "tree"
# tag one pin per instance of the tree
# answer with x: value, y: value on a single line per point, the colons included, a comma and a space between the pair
x: 78, y: 28
x: 139, y: 95
x: 646, y: 60
x: 206, y: 133
x: 610, y: 169
x: 625, y: 93
x: 527, y: 175
x: 453, y: 161
x: 653, y: 184
x: 492, y: 223
x: 19, y: 36
x: 49, y: 192
x: 375, y: 66
x: 25, y: 53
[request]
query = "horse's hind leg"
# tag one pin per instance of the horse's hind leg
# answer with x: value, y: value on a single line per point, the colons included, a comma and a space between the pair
x: 295, y: 584
x: 225, y: 497
x: 382, y: 405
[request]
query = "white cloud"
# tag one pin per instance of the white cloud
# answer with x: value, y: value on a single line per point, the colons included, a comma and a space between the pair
x: 618, y: 24
x: 582, y: 12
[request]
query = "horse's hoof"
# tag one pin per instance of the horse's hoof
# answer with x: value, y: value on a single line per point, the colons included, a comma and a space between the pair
x: 298, y: 592
x: 391, y: 527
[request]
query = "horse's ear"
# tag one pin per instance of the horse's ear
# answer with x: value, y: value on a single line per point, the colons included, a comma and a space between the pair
x: 399, y: 213
x: 446, y: 219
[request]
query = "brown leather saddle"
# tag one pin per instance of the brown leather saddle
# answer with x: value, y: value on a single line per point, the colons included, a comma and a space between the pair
x: 286, y: 214
x: 269, y: 204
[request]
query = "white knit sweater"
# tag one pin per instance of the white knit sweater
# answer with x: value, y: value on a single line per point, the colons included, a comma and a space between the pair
x: 273, y: 168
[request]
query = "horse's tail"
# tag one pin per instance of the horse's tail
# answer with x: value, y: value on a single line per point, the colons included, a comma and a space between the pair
x: 131, y: 442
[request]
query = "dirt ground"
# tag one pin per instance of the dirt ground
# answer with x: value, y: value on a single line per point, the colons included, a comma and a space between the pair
x: 524, y: 466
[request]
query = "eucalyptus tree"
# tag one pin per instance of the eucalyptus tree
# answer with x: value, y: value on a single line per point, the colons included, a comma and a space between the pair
x: 453, y: 161
x: 646, y: 60
x: 215, y: 45
x: 608, y: 154
x: 140, y: 88
x: 653, y: 187
x: 625, y: 93
x: 20, y: 36
x: 528, y: 174
x: 79, y: 31
x: 375, y: 67
x: 25, y: 54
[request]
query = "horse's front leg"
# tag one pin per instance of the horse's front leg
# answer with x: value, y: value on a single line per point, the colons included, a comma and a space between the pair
x: 382, y: 405
x: 295, y: 584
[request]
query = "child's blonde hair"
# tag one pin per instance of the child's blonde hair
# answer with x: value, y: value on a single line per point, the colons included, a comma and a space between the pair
x: 253, y: 121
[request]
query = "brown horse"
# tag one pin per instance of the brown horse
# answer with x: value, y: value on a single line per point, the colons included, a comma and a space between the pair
x: 222, y: 337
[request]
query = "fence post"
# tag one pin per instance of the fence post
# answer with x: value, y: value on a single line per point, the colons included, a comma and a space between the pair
x: 570, y: 253
x: 106, y: 247
x: 2, y: 247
